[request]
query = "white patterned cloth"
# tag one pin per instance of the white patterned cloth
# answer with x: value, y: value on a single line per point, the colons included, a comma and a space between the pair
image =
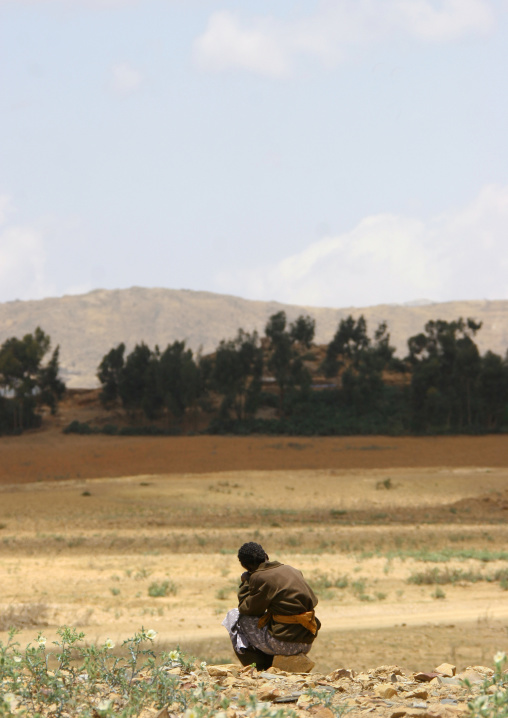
x: 244, y: 633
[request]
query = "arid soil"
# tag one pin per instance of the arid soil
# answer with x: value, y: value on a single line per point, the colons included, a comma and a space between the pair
x: 405, y: 540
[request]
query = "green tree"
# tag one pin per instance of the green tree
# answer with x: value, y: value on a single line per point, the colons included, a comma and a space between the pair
x: 181, y: 382
x: 25, y: 382
x: 361, y: 362
x: 134, y: 377
x: 237, y: 372
x: 284, y: 354
x: 109, y: 374
x: 445, y: 366
x: 493, y: 390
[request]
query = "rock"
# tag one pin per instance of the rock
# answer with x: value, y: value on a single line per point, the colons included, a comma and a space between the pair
x: 340, y: 673
x: 385, y: 690
x: 417, y: 713
x: 268, y: 676
x: 398, y: 712
x: 482, y: 670
x: 386, y: 671
x: 231, y: 681
x: 471, y: 675
x: 321, y: 712
x: 449, y: 681
x: 294, y: 664
x: 274, y: 671
x: 267, y: 692
x: 164, y: 713
x: 289, y: 698
x: 218, y: 671
x: 418, y: 693
x: 304, y: 701
x: 424, y: 677
x: 446, y: 669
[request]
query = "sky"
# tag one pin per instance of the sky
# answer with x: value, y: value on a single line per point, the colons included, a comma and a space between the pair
x: 318, y: 152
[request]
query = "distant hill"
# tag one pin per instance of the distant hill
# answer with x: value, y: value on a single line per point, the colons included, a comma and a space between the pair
x: 87, y: 326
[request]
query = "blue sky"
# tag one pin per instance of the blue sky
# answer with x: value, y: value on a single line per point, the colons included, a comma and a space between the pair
x: 341, y: 153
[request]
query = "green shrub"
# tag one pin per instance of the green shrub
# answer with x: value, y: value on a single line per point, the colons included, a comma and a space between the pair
x: 156, y: 590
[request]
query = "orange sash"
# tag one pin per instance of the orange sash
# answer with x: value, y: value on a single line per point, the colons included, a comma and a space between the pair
x: 307, y: 620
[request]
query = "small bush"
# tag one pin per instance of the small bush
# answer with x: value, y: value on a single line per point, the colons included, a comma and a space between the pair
x: 78, y: 427
x: 156, y: 590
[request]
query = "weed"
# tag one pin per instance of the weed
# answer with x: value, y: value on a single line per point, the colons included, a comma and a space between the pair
x: 142, y: 573
x: 115, y: 591
x: 157, y: 590
x: 385, y: 484
x: 438, y: 593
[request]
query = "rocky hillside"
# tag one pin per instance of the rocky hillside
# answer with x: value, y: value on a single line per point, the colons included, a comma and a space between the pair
x: 87, y: 326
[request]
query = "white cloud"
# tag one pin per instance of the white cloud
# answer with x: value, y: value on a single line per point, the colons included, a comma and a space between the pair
x: 22, y: 260
x: 226, y: 44
x: 125, y: 78
x: 270, y: 46
x: 462, y: 254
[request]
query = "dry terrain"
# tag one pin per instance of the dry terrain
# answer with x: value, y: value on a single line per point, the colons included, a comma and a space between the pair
x: 404, y: 539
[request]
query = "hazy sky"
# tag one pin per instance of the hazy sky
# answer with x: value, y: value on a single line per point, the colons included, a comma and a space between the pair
x: 341, y: 152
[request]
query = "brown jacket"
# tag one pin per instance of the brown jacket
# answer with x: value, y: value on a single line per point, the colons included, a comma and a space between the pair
x: 282, y: 590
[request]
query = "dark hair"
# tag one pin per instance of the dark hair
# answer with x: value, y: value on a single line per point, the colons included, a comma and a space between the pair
x: 251, y: 554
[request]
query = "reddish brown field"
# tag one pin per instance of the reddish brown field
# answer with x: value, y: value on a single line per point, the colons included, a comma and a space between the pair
x: 51, y: 455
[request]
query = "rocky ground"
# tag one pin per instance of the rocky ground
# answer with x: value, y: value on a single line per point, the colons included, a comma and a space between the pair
x: 383, y: 691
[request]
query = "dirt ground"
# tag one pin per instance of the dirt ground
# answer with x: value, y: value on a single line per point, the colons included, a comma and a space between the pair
x: 92, y: 528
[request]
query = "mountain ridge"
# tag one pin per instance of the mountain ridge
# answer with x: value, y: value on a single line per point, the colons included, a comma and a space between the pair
x: 87, y: 325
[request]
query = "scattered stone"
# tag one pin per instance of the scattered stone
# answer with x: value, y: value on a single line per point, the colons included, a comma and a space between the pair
x: 446, y: 669
x: 275, y: 671
x: 269, y: 676
x: 425, y: 677
x: 386, y: 670
x: 289, y: 698
x: 482, y: 670
x: 217, y: 671
x: 164, y: 713
x: 321, y: 712
x: 340, y: 673
x: 471, y: 675
x: 418, y: 693
x: 449, y: 681
x: 267, y: 692
x: 304, y: 701
x: 294, y: 664
x: 385, y: 690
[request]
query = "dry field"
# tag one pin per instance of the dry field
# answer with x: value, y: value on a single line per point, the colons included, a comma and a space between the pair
x: 405, y: 540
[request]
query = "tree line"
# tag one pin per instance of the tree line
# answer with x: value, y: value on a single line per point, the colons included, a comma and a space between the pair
x: 443, y: 384
x: 280, y: 382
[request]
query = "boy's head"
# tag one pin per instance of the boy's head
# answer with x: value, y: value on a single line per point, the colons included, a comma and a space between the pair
x: 251, y: 555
